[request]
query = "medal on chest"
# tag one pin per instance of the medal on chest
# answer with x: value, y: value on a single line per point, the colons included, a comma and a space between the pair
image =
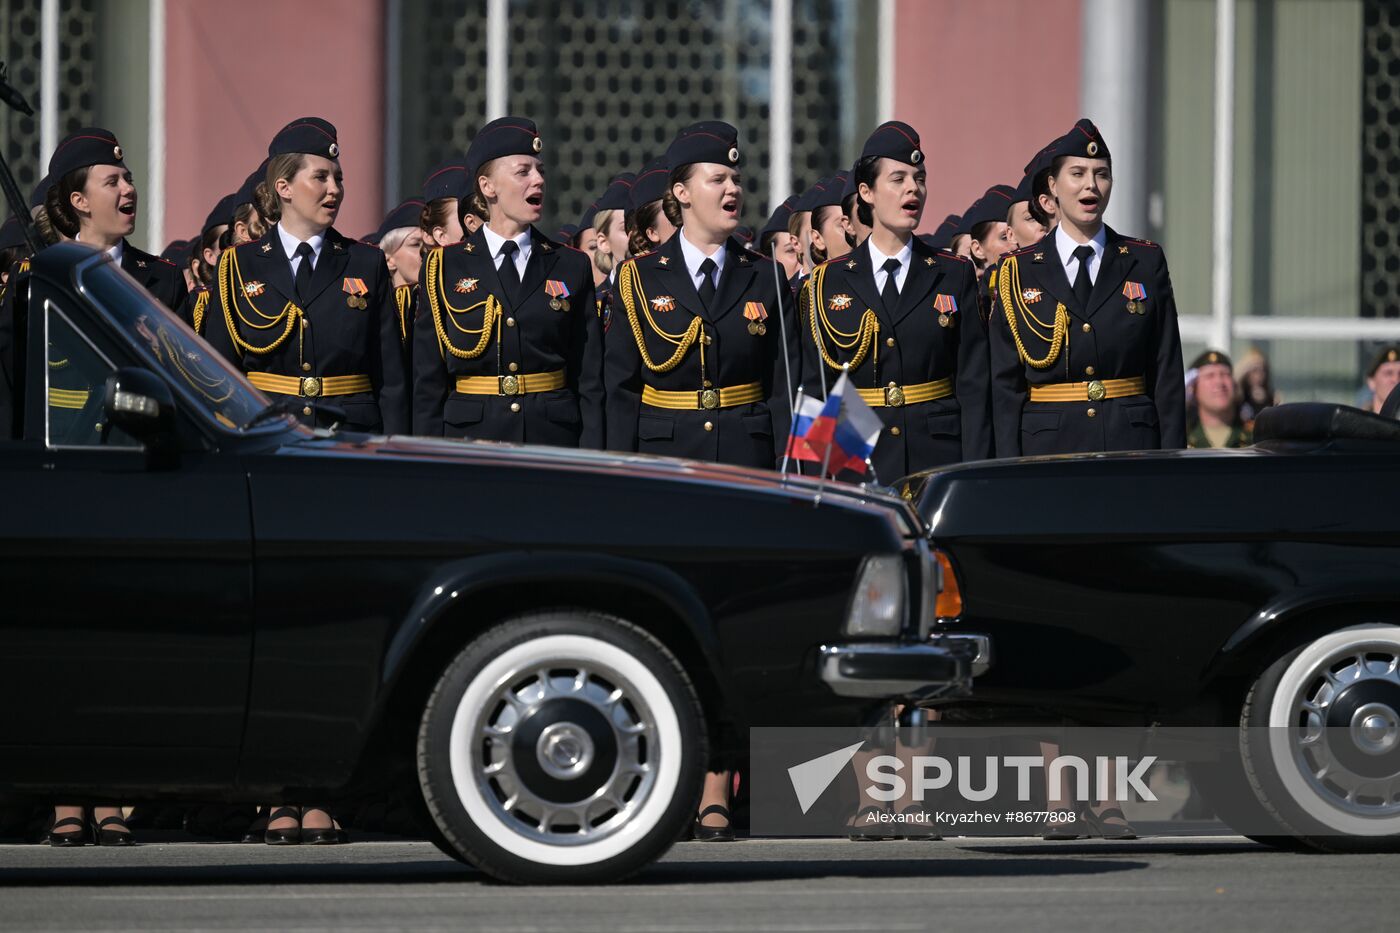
x: 558, y: 294
x: 756, y: 315
x: 946, y: 306
x: 355, y: 291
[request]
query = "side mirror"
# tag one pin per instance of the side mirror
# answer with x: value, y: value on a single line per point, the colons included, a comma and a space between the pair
x: 140, y: 404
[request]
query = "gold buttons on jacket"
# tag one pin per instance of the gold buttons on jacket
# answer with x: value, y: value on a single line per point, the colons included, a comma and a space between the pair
x: 306, y: 410
x: 514, y: 406
x: 514, y: 366
x: 1091, y: 413
x: 709, y: 425
x: 1088, y: 370
x: 706, y: 339
x: 1087, y: 327
x: 306, y: 367
x: 894, y: 432
x: 510, y: 322
x: 889, y: 341
x: 305, y: 323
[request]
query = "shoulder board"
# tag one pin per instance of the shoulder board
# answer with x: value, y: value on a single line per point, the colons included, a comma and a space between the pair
x: 1018, y: 252
x: 823, y: 265
x: 166, y: 261
x: 1137, y: 242
x: 573, y: 249
x: 944, y: 254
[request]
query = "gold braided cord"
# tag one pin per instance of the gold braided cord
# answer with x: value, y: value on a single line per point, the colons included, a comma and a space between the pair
x: 437, y: 303
x: 1013, y: 307
x: 201, y: 304
x: 403, y: 295
x: 628, y: 282
x: 228, y: 297
x: 201, y: 382
x: 862, y: 338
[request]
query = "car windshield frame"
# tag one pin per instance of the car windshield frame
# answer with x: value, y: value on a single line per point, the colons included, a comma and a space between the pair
x: 126, y: 305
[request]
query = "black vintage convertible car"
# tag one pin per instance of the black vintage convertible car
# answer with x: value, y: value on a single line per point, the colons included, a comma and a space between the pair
x: 206, y: 600
x: 1255, y: 589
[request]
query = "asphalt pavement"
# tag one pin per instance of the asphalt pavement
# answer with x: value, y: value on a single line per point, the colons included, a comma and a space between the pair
x: 1197, y: 883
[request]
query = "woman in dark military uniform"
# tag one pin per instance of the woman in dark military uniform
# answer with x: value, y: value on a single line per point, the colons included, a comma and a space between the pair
x: 307, y: 313
x: 647, y: 224
x: 93, y: 201
x: 695, y: 362
x: 1085, y: 351
x: 509, y: 347
x: 902, y: 317
x: 400, y: 239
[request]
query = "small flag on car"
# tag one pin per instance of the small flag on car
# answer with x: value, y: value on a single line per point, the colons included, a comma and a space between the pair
x: 841, y: 435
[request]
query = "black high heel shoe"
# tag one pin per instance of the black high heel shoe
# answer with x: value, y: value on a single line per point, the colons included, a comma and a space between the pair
x: 257, y: 830
x: 329, y: 836
x: 1098, y: 826
x: 114, y: 837
x: 71, y: 838
x: 283, y: 837
x: 705, y: 833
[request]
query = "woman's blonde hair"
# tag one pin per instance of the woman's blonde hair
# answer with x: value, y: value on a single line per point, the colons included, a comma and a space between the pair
x: 392, y: 240
x: 279, y: 168
x: 602, y: 224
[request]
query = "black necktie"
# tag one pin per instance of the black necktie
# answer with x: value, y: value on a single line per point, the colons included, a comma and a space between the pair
x: 303, y: 279
x: 707, y: 283
x: 510, y: 278
x: 1082, y: 286
x: 890, y: 293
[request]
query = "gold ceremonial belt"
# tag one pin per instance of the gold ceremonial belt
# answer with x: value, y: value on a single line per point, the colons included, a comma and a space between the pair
x: 893, y: 396
x: 705, y: 399
x: 511, y: 385
x: 311, y: 386
x: 1094, y: 391
x: 68, y: 398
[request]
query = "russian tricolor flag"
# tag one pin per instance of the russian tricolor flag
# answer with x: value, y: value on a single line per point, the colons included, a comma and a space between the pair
x: 841, y: 433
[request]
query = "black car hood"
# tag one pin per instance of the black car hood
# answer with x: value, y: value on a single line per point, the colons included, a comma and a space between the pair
x: 635, y: 467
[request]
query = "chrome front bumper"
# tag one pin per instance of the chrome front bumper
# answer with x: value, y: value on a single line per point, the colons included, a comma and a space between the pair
x: 885, y: 670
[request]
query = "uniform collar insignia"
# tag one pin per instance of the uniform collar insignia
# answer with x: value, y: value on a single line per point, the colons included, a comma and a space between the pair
x: 1038, y: 257
x: 928, y: 260
x: 140, y: 263
x: 267, y: 247
x: 336, y: 246
x: 470, y: 247
x: 546, y: 248
x: 851, y: 266
x: 743, y: 259
x: 1123, y: 250
x: 663, y: 261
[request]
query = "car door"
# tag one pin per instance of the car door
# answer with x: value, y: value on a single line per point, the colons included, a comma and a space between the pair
x: 126, y: 635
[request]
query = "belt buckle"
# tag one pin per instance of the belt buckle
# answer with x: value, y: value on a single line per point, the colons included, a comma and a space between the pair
x: 1096, y: 391
x: 709, y: 399
x: 894, y: 396
x: 510, y: 385
x: 310, y: 386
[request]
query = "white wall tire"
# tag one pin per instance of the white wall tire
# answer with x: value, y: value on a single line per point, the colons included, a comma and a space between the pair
x: 1307, y: 743
x: 562, y: 747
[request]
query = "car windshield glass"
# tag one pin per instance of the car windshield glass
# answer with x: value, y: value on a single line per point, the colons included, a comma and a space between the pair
x: 191, y: 362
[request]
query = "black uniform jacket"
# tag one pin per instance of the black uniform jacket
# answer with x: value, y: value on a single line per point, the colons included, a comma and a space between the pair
x: 657, y: 295
x: 910, y: 347
x: 255, y: 321
x: 528, y: 337
x: 1128, y: 330
x: 160, y: 277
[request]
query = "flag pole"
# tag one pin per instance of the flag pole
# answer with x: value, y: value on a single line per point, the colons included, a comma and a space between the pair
x: 787, y: 450
x: 826, y: 454
x: 782, y: 331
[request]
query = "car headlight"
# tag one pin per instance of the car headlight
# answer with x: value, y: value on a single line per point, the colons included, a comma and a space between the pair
x: 881, y: 597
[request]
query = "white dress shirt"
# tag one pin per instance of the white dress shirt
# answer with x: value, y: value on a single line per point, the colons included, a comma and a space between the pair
x: 1067, y: 246
x: 290, y: 244
x: 115, y: 252
x: 494, y: 242
x: 694, y: 257
x: 878, y: 260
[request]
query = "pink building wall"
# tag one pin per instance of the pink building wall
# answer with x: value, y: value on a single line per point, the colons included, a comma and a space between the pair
x: 986, y: 84
x: 238, y: 72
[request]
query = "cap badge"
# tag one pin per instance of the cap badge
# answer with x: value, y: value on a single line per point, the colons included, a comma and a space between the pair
x: 840, y: 302
x: 916, y: 157
x: 465, y: 286
x: 664, y: 303
x: 537, y: 144
x: 1030, y: 295
x: 334, y: 150
x: 1092, y: 148
x: 1392, y: 356
x: 756, y: 314
x: 117, y: 151
x: 734, y: 154
x: 253, y: 289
